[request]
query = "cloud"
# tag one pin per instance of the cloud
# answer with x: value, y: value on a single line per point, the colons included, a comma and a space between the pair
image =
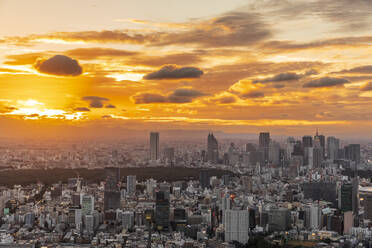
x: 149, y: 98
x: 174, y: 72
x: 82, y: 109
x: 226, y: 30
x: 252, y: 94
x: 59, y: 65
x: 224, y: 100
x: 278, y: 86
x: 182, y: 95
x: 110, y: 106
x: 95, y: 101
x: 366, y: 86
x: 325, y: 82
x: 23, y: 59
x: 286, y: 76
x: 366, y: 69
x: 99, y: 52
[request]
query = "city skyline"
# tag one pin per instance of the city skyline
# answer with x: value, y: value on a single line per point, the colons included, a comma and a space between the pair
x: 237, y: 67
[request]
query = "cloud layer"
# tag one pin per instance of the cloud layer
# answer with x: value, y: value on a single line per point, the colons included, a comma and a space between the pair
x: 59, y: 65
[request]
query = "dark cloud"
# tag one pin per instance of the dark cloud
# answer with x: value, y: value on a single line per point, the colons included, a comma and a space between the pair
x: 366, y: 69
x: 95, y: 101
x: 59, y: 65
x: 290, y: 46
x: 99, y: 52
x: 82, y: 109
x: 149, y: 98
x: 174, y: 72
x: 227, y: 30
x: 366, y: 86
x: 325, y: 82
x: 253, y: 94
x: 278, y: 86
x: 110, y: 106
x: 182, y: 95
x: 286, y: 76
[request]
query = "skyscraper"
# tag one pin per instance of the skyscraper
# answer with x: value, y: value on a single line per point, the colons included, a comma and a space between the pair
x: 162, y: 210
x: 264, y: 144
x: 333, y: 145
x: 321, y: 139
x: 236, y: 226
x: 317, y: 152
x: 154, y: 146
x: 131, y: 185
x: 87, y: 204
x: 204, y: 179
x: 307, y: 141
x: 212, y: 149
x: 112, y: 192
x: 352, y: 152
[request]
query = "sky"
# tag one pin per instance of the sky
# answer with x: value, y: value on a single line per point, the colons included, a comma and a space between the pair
x: 109, y: 68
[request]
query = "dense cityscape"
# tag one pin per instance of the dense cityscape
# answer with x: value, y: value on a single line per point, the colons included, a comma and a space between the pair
x: 310, y: 191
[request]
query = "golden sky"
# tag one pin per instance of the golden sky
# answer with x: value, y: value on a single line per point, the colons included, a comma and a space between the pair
x: 285, y: 66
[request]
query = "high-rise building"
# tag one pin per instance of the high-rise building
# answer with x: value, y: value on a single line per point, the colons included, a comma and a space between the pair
x: 264, y: 145
x: 307, y: 141
x: 212, y: 149
x: 204, y: 179
x: 333, y: 145
x: 112, y: 190
x: 131, y: 185
x: 352, y: 152
x: 154, y: 146
x: 368, y: 207
x: 87, y: 204
x: 321, y: 139
x: 127, y: 219
x: 169, y: 154
x: 309, y: 156
x: 345, y: 197
x: 317, y: 152
x: 236, y: 226
x: 274, y: 151
x: 162, y: 210
x: 279, y: 219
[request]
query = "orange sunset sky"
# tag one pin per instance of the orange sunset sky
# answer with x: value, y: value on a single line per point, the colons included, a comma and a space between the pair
x: 284, y: 66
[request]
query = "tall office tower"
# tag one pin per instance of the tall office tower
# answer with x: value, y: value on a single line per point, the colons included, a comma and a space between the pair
x: 307, y: 141
x: 279, y: 219
x: 131, y: 185
x: 352, y: 152
x: 162, y: 210
x: 368, y: 207
x: 249, y: 147
x: 274, y: 151
x: 87, y: 204
x: 309, y: 156
x: 112, y: 191
x: 204, y: 179
x: 290, y: 147
x: 154, y: 146
x: 212, y: 149
x: 315, y: 215
x: 355, y: 195
x: 237, y: 226
x: 169, y: 154
x: 345, y: 197
x: 127, y: 220
x: 317, y: 152
x: 264, y: 145
x: 321, y: 139
x: 333, y: 145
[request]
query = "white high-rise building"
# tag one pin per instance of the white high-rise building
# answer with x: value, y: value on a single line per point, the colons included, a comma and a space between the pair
x: 314, y: 217
x: 154, y: 146
x: 236, y: 226
x: 87, y: 204
x: 131, y: 185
